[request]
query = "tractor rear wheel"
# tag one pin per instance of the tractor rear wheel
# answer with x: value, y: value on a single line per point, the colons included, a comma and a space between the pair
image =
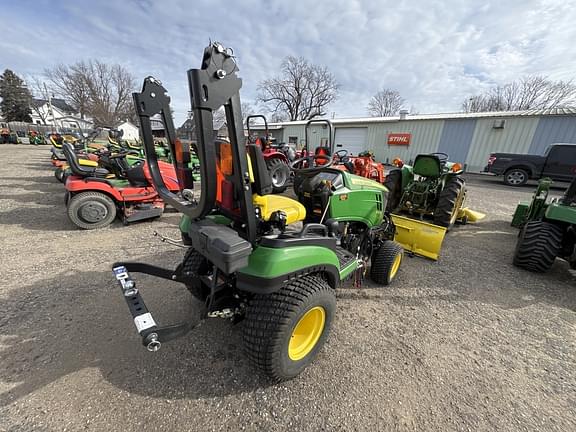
x: 284, y: 331
x: 91, y: 210
x: 386, y: 261
x: 280, y: 174
x: 393, y: 183
x: 538, y: 246
x: 194, y: 266
x: 450, y: 201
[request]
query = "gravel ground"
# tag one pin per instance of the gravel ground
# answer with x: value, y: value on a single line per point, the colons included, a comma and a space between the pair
x: 466, y: 343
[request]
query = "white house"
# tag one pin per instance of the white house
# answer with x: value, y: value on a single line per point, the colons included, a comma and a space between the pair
x: 131, y: 131
x: 60, y: 115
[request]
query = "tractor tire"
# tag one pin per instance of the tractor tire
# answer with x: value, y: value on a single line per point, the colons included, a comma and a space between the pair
x: 516, y: 177
x: 280, y: 174
x: 284, y: 331
x: 538, y: 246
x: 450, y: 201
x: 386, y: 261
x: 393, y: 183
x: 91, y: 210
x: 59, y: 174
x: 193, y: 266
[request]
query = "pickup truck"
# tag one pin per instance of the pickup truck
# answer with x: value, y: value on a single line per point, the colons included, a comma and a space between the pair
x: 558, y: 163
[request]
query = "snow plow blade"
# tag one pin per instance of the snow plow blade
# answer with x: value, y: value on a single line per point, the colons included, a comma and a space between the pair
x: 420, y: 238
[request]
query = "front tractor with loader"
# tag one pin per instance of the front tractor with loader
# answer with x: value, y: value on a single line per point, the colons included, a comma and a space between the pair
x: 432, y: 193
x: 267, y: 260
x: 548, y: 229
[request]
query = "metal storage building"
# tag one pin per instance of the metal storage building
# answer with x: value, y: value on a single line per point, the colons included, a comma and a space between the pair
x: 466, y: 137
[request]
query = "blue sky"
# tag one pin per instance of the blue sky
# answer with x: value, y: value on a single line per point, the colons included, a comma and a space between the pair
x: 434, y: 52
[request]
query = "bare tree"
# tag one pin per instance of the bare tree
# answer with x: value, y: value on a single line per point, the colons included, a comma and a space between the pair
x: 96, y: 89
x: 41, y: 92
x: 533, y: 92
x: 302, y: 91
x: 385, y: 103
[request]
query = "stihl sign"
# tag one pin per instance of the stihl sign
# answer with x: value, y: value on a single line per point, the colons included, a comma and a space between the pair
x: 399, y: 139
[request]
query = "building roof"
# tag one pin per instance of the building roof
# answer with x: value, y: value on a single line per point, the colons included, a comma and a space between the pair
x: 61, y: 104
x: 441, y: 116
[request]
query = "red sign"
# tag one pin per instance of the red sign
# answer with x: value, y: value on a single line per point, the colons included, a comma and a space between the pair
x: 399, y: 138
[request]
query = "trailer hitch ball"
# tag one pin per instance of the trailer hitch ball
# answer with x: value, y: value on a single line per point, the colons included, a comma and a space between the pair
x: 152, y: 343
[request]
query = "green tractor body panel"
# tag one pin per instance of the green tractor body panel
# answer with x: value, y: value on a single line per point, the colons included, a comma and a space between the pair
x: 559, y: 212
x: 268, y: 263
x: 520, y: 214
x: 360, y: 200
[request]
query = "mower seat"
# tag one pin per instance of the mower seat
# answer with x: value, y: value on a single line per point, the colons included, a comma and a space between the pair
x: 77, y: 168
x: 427, y: 166
x: 262, y: 191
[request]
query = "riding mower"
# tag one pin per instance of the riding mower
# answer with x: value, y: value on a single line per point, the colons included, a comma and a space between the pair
x: 96, y: 195
x: 432, y: 187
x: 254, y: 256
x: 548, y: 229
x: 276, y: 161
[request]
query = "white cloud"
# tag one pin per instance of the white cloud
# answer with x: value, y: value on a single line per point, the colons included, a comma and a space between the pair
x: 435, y: 53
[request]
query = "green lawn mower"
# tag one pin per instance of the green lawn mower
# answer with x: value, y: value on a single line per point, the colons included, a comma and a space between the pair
x: 264, y: 259
x: 548, y: 229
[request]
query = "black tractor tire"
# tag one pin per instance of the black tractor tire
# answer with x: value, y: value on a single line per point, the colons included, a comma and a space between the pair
x: 516, y: 177
x: 270, y: 340
x: 59, y: 174
x: 393, y: 183
x: 450, y: 201
x: 91, y: 210
x: 280, y: 174
x: 194, y: 266
x: 386, y: 261
x: 538, y: 246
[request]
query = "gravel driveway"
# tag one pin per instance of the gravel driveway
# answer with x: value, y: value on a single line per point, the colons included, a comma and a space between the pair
x: 467, y: 343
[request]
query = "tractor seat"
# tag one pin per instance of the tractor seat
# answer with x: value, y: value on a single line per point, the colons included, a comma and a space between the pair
x: 77, y: 168
x: 427, y: 166
x: 262, y: 190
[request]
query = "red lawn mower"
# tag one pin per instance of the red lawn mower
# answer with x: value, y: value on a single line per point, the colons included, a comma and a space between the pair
x: 96, y: 195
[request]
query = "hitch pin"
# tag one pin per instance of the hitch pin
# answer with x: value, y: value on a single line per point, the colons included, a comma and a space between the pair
x: 165, y: 239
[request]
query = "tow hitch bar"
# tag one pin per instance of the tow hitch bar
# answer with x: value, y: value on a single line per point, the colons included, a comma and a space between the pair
x: 152, y: 335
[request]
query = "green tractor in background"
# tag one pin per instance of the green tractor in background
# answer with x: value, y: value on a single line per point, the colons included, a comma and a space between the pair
x: 253, y: 256
x: 432, y: 188
x: 548, y: 229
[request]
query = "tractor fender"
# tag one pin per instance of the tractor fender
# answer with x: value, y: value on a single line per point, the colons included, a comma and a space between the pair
x: 270, y: 268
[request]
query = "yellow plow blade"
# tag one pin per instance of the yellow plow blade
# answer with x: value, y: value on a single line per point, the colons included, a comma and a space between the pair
x: 471, y: 215
x: 418, y: 237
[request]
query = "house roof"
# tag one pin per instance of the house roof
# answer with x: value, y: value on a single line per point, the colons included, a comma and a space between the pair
x: 61, y: 104
x: 127, y: 122
x: 441, y: 116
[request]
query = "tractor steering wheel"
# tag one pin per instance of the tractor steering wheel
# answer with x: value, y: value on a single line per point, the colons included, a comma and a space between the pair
x: 441, y: 155
x: 312, y: 164
x: 344, y: 157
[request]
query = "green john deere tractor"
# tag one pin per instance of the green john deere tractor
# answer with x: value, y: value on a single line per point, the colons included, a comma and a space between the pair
x: 548, y: 229
x: 264, y: 259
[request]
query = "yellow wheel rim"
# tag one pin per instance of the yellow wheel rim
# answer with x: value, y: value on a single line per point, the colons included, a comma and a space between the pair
x: 395, y: 266
x: 306, y: 333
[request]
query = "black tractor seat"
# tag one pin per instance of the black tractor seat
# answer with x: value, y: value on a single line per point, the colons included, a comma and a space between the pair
x: 80, y: 170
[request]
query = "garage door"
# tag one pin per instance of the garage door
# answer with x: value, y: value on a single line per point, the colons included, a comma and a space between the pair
x: 351, y: 139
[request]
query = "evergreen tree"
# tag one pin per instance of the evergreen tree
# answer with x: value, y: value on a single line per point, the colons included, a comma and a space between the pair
x: 16, y: 98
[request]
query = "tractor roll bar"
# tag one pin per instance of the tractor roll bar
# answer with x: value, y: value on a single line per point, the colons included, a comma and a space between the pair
x: 330, y: 129
x: 250, y: 117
